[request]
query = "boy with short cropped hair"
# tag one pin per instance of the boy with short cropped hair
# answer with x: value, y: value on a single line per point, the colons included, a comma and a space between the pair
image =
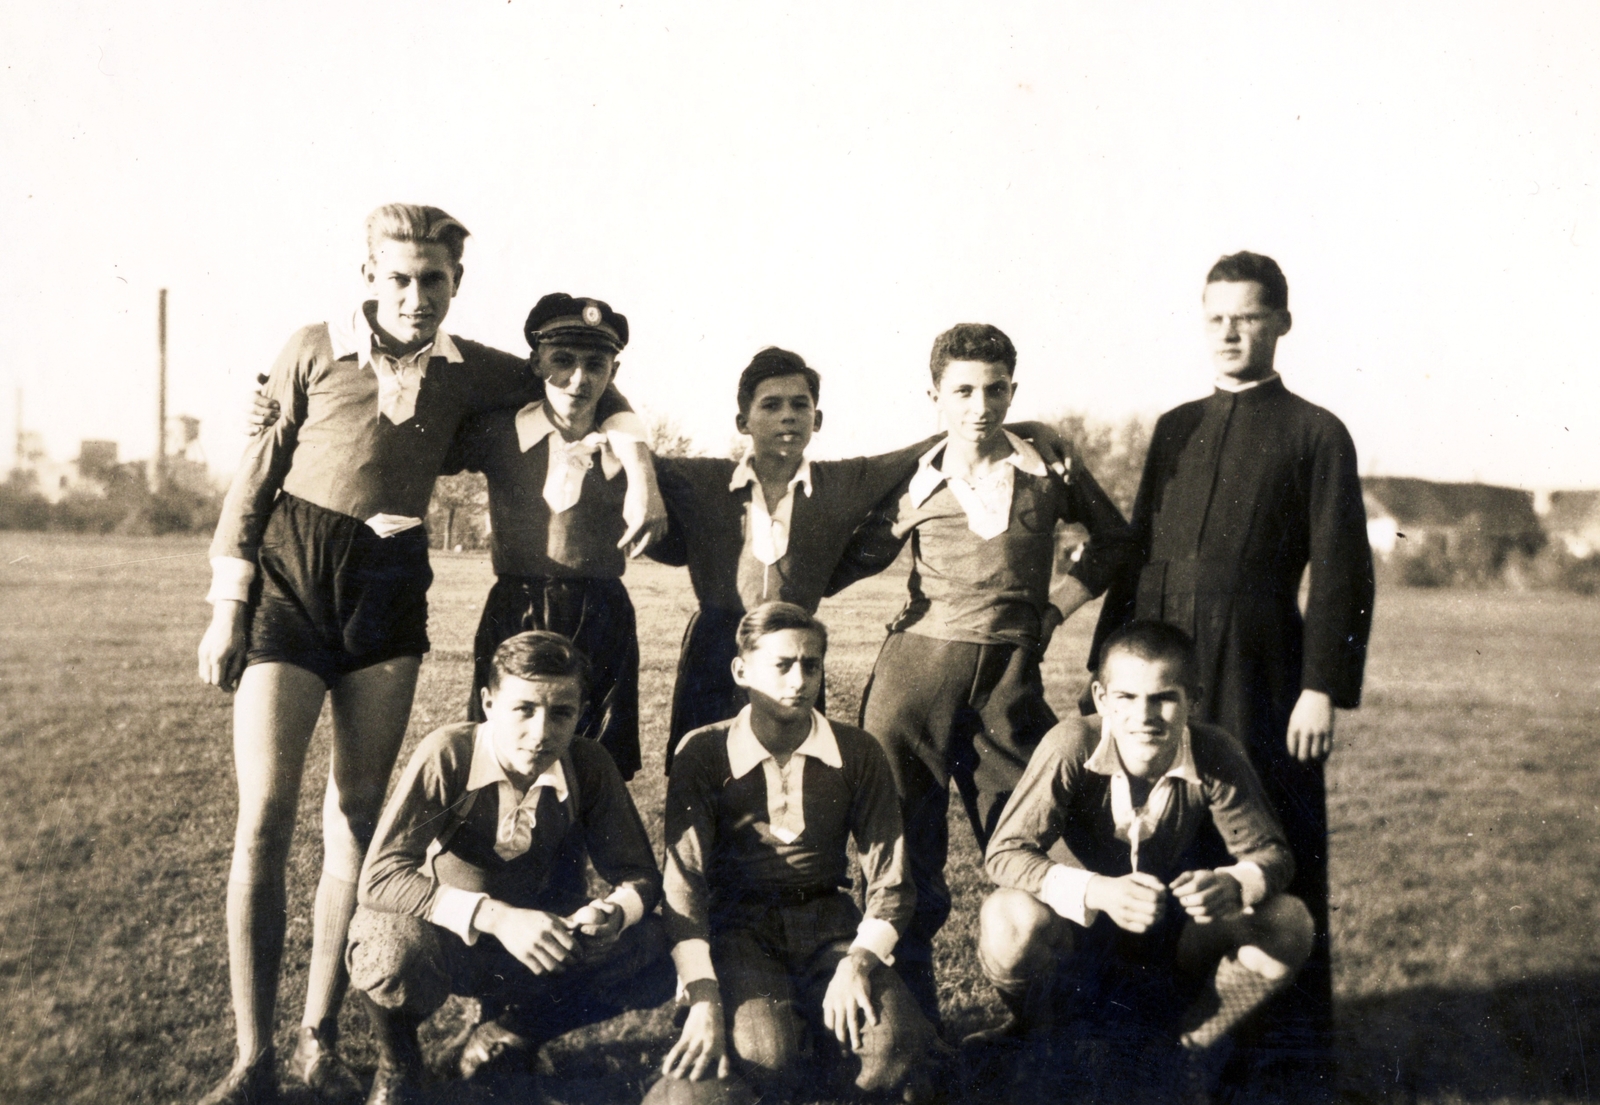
x: 320, y: 576
x: 772, y: 527
x: 1128, y: 795
x: 556, y: 495
x: 955, y: 692
x: 487, y: 834
x: 767, y: 941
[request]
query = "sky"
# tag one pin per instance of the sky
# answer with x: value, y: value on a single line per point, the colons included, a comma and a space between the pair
x: 845, y: 180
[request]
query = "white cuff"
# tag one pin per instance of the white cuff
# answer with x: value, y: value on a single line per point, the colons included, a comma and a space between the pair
x: 231, y: 577
x: 454, y: 909
x: 1251, y: 879
x: 693, y: 960
x: 632, y: 905
x: 625, y: 428
x: 878, y: 937
x: 1063, y: 890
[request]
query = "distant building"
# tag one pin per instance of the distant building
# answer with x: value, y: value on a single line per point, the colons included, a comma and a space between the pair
x: 1572, y: 521
x: 93, y: 468
x: 1459, y: 520
x: 185, y: 461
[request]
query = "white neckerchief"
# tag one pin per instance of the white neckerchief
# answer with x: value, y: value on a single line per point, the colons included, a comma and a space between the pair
x: 1228, y: 383
x: 1135, y: 825
x: 513, y: 835
x: 786, y: 813
x: 399, y: 378
x: 569, y: 461
x: 768, y: 530
x: 987, y: 501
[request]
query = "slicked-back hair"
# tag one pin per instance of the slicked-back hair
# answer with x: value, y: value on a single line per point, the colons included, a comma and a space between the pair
x: 1158, y: 643
x: 538, y: 654
x: 775, y: 617
x: 771, y: 363
x: 412, y: 222
x: 1246, y: 267
x: 972, y: 341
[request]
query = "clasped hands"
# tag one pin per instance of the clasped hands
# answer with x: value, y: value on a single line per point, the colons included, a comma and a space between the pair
x: 1136, y: 902
x: 546, y: 943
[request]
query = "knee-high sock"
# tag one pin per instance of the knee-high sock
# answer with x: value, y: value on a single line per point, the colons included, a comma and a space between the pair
x: 1232, y: 994
x: 327, y: 980
x: 256, y: 924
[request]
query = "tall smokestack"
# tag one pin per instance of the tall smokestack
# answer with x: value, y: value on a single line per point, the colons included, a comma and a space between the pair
x: 158, y: 463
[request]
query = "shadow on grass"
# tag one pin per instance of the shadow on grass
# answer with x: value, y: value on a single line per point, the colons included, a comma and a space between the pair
x: 1537, y: 1039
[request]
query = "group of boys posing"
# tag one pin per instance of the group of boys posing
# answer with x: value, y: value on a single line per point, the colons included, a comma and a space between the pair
x: 1106, y: 836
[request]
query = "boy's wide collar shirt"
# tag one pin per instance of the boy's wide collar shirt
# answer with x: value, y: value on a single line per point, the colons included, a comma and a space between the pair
x: 399, y: 378
x: 768, y: 531
x: 987, y: 500
x: 570, y: 461
x: 1064, y: 886
x: 786, y: 814
x: 514, y: 834
x: 879, y: 842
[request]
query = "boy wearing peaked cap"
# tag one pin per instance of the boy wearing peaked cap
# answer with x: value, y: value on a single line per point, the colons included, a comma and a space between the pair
x: 556, y: 498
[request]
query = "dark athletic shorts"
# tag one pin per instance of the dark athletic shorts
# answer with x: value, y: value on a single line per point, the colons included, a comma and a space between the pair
x: 334, y: 597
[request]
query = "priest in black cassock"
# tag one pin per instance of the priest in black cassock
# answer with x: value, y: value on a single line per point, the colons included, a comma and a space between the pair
x: 1241, y: 490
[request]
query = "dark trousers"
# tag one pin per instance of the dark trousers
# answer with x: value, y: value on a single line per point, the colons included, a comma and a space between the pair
x: 406, y: 964
x: 596, y: 615
x: 774, y: 963
x: 946, y: 710
x: 705, y: 692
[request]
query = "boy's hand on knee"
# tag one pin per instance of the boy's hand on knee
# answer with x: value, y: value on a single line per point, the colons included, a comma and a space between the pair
x: 1134, y: 902
x: 541, y: 941
x: 702, y: 1048
x: 847, y: 1006
x: 1208, y: 895
x: 222, y: 649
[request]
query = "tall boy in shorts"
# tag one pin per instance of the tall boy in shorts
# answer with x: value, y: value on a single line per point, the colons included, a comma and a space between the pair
x: 772, y: 527
x: 320, y: 574
x: 475, y: 884
x: 556, y: 495
x: 956, y: 693
x: 1128, y: 795
x: 769, y: 945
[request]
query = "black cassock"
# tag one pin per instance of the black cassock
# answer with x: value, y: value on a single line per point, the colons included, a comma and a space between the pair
x: 1240, y: 492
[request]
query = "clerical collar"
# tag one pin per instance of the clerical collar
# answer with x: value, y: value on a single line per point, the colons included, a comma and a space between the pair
x: 1225, y: 383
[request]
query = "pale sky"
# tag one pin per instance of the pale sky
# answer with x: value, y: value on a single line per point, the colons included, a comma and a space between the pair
x: 842, y: 179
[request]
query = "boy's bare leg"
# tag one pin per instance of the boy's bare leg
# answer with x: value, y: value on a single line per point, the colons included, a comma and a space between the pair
x: 370, y: 710
x: 274, y: 714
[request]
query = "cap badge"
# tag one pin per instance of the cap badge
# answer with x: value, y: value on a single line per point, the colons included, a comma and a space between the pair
x: 591, y: 315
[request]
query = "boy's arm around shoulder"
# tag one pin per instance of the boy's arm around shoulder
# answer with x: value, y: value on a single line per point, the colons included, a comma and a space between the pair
x: 1112, y: 547
x: 616, y: 838
x: 1263, y: 864
x: 1035, y: 818
x: 428, y: 798
x: 875, y: 544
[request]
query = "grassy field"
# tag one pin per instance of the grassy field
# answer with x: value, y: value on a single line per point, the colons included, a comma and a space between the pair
x: 1466, y: 801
